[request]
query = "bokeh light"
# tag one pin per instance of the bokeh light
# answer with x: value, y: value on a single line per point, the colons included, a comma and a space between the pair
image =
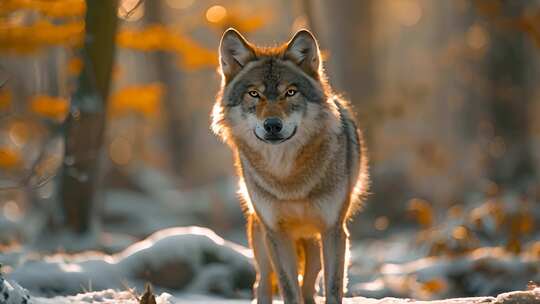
x: 381, y: 223
x: 409, y: 12
x: 476, y: 37
x: 120, y: 151
x: 216, y: 13
x: 12, y: 211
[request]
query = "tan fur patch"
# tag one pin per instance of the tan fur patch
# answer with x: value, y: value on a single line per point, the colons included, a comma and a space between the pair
x: 266, y: 109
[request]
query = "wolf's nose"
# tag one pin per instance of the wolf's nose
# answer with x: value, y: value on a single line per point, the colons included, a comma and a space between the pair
x: 273, y: 125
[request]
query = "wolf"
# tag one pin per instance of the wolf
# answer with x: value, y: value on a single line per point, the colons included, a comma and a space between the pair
x: 300, y: 159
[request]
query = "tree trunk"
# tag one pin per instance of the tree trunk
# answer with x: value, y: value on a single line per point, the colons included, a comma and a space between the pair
x: 348, y: 34
x: 85, y: 124
x: 508, y: 94
x: 177, y: 132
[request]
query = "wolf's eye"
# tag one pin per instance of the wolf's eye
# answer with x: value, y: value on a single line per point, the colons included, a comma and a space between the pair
x: 290, y: 92
x: 254, y: 94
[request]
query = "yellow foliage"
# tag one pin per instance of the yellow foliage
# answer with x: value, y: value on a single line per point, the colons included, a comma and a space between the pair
x: 9, y: 159
x: 142, y: 99
x: 159, y: 38
x: 50, y: 8
x: 42, y: 33
x: 422, y: 211
x: 51, y: 107
x: 5, y: 99
x: 74, y: 66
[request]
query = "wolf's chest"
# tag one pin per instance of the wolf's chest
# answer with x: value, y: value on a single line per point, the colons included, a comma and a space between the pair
x: 300, y: 219
x: 303, y: 214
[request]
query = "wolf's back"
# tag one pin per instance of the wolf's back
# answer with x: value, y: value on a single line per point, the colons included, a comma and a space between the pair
x: 357, y: 159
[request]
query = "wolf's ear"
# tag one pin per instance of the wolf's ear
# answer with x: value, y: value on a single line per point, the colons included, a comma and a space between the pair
x: 234, y: 53
x: 304, y: 51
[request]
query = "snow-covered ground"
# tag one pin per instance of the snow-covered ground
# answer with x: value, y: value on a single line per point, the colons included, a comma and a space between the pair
x: 128, y: 297
x: 377, y: 272
x: 194, y: 265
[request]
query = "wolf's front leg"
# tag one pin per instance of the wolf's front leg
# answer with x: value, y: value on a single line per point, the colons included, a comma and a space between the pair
x: 263, y: 286
x: 283, y: 256
x: 312, y: 268
x: 334, y: 245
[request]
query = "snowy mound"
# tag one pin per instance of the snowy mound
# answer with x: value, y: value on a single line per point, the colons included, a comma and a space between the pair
x: 484, y: 271
x: 108, y: 296
x: 192, y: 259
x: 12, y: 293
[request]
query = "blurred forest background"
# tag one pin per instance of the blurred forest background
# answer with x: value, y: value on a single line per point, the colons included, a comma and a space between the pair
x: 104, y: 128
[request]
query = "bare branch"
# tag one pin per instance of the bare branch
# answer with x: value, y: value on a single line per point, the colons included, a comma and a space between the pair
x: 128, y: 13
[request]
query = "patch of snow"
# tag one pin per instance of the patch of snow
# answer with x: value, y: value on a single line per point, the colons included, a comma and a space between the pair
x: 124, y: 297
x: 190, y: 258
x: 483, y: 272
x: 108, y: 296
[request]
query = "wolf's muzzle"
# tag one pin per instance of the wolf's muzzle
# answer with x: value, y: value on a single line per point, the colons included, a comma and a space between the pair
x: 274, y: 138
x: 273, y: 125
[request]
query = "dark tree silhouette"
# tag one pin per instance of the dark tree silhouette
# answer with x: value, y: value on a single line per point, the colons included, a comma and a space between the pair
x: 85, y: 124
x: 509, y: 89
x: 171, y: 77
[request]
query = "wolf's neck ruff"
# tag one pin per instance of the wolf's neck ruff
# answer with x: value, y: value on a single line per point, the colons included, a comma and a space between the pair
x: 290, y: 170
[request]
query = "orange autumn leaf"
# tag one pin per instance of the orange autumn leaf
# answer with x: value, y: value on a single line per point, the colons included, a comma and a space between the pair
x: 50, y: 107
x: 74, y: 66
x: 5, y: 99
x: 523, y: 223
x: 142, y: 99
x: 434, y: 286
x: 422, y: 211
x: 159, y: 38
x: 42, y: 33
x: 50, y: 8
x: 9, y: 159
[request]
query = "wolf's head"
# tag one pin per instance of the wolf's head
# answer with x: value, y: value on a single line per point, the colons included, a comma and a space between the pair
x: 274, y: 96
